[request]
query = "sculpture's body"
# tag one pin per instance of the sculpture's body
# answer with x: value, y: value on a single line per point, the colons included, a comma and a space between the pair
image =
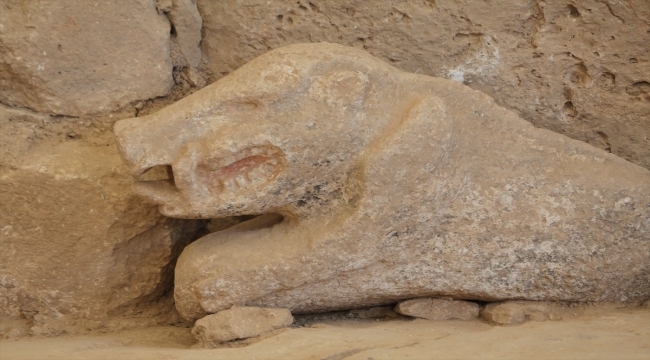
x: 392, y: 185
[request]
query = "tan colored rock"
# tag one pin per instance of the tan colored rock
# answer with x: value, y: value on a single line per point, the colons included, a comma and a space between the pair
x: 80, y: 57
x: 438, y: 309
x: 505, y: 314
x: 77, y: 244
x: 187, y: 25
x: 239, y: 323
x: 518, y: 312
x: 391, y: 186
x: 579, y: 68
x: 13, y: 328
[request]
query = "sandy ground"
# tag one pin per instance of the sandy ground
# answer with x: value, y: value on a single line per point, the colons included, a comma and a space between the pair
x: 597, y: 333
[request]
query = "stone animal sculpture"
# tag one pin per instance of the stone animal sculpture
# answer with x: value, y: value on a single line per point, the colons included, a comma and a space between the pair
x: 379, y: 185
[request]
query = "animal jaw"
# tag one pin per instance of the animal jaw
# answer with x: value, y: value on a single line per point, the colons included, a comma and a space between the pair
x: 242, y: 170
x: 218, y: 178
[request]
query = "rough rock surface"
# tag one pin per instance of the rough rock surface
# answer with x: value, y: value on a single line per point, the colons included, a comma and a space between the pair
x: 187, y: 23
x: 517, y: 312
x: 76, y: 242
x: 79, y: 57
x: 579, y: 68
x: 438, y: 309
x: 239, y: 323
x: 391, y: 186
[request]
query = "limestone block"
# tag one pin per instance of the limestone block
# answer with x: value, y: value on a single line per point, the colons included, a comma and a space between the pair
x: 239, y: 323
x: 385, y: 185
x: 438, y: 309
x: 80, y: 57
x: 76, y: 242
x: 577, y: 68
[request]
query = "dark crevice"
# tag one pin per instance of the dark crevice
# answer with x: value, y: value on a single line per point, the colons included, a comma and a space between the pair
x: 573, y: 11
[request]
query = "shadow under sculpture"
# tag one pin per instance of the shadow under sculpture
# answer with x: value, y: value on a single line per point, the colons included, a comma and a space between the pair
x: 390, y: 185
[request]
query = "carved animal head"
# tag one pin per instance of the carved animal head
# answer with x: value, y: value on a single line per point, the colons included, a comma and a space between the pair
x: 285, y: 133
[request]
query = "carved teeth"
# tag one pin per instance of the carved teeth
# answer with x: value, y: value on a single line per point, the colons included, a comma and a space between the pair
x: 241, y: 180
x: 230, y: 185
x: 266, y: 169
x: 235, y: 172
x: 255, y: 176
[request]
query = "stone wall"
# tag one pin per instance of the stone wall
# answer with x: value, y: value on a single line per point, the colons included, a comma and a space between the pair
x: 78, y: 247
x: 76, y: 241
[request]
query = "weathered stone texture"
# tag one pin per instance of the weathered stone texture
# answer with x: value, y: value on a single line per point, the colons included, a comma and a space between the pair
x: 438, y: 309
x: 79, y: 57
x: 187, y: 23
x: 75, y: 240
x: 388, y: 186
x: 517, y: 312
x: 579, y: 68
x: 239, y: 323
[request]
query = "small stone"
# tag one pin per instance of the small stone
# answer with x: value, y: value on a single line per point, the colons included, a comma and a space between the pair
x: 187, y: 22
x: 239, y: 323
x: 503, y: 313
x: 513, y: 313
x: 438, y: 309
x: 194, y: 77
x: 536, y: 315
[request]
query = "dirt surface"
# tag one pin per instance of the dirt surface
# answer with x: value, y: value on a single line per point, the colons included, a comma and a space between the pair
x: 602, y: 332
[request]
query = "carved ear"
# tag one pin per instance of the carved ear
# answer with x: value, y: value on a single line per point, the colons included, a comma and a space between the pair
x: 344, y: 88
x: 418, y: 143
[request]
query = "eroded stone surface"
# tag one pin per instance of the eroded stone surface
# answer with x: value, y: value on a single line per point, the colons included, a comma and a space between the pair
x: 187, y: 25
x: 77, y: 244
x: 438, y: 309
x: 391, y: 186
x: 517, y: 312
x: 239, y: 323
x: 73, y: 58
x: 579, y: 68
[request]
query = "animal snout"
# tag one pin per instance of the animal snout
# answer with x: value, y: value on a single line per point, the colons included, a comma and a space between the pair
x: 144, y: 143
